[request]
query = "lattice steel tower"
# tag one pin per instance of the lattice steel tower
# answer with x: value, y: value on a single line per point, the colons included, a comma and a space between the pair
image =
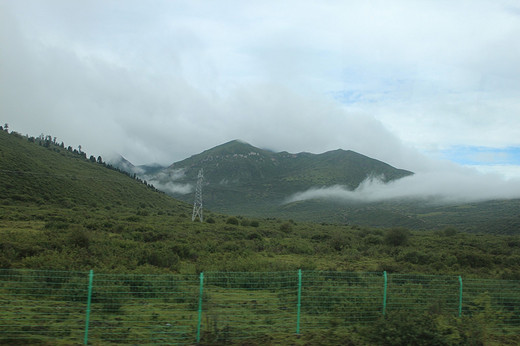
x: 197, y: 205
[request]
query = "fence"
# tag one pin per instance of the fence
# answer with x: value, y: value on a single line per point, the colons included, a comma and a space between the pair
x: 93, y: 308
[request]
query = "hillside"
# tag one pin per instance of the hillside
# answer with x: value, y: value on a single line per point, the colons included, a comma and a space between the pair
x: 62, y: 211
x: 41, y: 172
x: 242, y: 179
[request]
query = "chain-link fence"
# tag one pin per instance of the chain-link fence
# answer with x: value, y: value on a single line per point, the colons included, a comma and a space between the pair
x: 220, y: 307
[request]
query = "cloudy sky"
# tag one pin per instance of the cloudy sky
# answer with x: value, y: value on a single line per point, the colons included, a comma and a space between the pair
x: 419, y: 84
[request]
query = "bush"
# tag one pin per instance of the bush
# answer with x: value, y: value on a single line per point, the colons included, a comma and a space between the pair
x: 416, y: 257
x: 286, y: 227
x: 450, y: 231
x: 397, y: 237
x: 161, y: 257
x: 232, y: 220
x: 79, y: 237
x: 405, y: 328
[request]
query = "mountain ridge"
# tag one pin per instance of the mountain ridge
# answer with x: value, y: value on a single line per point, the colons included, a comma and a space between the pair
x: 241, y: 177
x: 39, y: 173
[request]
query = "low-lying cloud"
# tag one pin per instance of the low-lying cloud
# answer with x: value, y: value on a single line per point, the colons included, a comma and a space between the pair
x: 165, y: 181
x: 171, y: 187
x: 455, y: 186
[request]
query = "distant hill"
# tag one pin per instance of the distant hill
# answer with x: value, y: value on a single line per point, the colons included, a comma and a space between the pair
x: 39, y: 180
x: 243, y: 179
x: 36, y: 170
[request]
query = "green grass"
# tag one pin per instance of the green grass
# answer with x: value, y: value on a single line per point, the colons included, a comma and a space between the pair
x: 256, y: 308
x: 59, y: 211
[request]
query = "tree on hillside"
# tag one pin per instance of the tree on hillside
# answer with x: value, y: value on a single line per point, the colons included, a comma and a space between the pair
x: 397, y: 236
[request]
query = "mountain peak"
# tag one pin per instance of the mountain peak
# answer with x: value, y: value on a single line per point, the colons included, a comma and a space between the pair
x: 236, y: 146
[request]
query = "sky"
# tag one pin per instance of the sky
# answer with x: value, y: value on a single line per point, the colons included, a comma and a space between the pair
x: 432, y: 86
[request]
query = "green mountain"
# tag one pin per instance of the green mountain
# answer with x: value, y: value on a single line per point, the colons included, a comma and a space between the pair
x: 35, y: 170
x: 60, y: 210
x: 41, y: 180
x: 242, y: 179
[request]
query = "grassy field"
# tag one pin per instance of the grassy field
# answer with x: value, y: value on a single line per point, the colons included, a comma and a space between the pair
x: 59, y: 210
x: 300, y: 307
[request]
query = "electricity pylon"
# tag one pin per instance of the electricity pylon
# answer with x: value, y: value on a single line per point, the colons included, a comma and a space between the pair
x: 197, y: 205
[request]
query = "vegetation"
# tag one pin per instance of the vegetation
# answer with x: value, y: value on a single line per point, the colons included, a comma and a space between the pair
x: 60, y: 210
x: 245, y: 180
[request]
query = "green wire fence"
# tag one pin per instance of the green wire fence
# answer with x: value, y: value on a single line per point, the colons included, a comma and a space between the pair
x: 220, y: 307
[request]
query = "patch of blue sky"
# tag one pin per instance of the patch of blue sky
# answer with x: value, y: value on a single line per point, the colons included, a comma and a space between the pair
x: 348, y: 97
x: 475, y: 155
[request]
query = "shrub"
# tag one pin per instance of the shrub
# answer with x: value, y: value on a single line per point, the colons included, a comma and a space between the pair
x: 404, y: 328
x: 79, y: 237
x: 416, y: 257
x: 397, y: 236
x: 232, y: 220
x: 450, y: 231
x: 286, y: 227
x: 338, y: 241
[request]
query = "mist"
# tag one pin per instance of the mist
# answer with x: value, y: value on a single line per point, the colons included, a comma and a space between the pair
x: 400, y: 82
x: 461, y: 185
x: 166, y: 181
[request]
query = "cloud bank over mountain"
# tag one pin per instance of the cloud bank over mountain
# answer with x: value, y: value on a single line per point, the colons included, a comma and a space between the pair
x: 403, y: 82
x: 446, y: 187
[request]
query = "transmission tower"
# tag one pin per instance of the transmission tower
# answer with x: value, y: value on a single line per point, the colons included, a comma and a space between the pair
x: 197, y: 205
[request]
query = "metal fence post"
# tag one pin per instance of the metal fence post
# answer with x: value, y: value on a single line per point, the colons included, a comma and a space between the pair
x: 299, y: 301
x: 201, y: 291
x: 384, y: 292
x: 89, y: 299
x: 460, y: 295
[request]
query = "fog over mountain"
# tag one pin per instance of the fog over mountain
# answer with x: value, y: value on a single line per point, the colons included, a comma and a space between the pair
x: 410, y: 83
x: 456, y: 186
x: 440, y: 182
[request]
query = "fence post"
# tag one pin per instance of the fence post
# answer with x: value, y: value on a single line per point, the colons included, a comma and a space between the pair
x: 89, y: 300
x: 384, y: 292
x: 299, y: 301
x: 201, y: 291
x: 460, y: 295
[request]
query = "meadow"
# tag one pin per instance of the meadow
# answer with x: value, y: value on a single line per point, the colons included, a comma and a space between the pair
x: 62, y: 211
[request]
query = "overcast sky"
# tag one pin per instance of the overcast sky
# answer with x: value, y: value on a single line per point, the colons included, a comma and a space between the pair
x: 406, y: 82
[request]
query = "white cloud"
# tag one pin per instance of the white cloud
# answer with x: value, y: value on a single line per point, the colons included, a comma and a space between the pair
x: 160, y: 83
x: 166, y: 181
x: 453, y: 186
x: 170, y: 187
x: 507, y: 172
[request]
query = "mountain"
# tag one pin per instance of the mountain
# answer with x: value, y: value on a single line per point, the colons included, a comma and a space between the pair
x: 38, y: 171
x: 242, y: 179
x: 126, y: 166
x: 123, y: 164
x: 45, y: 186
